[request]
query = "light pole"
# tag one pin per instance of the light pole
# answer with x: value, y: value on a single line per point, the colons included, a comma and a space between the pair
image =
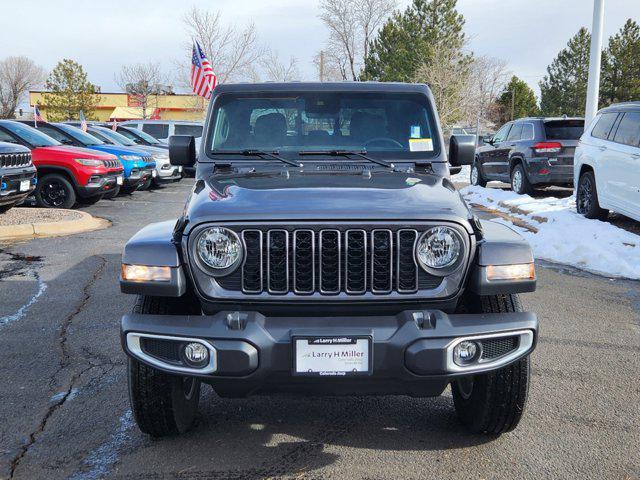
x: 593, y: 86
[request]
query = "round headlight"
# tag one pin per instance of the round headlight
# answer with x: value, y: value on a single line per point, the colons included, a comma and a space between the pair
x: 439, y: 247
x: 219, y: 248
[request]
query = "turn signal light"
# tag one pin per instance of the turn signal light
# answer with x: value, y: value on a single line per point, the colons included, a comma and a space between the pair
x: 144, y: 273
x: 520, y: 271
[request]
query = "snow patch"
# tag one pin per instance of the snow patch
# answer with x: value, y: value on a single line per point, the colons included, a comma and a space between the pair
x: 563, y: 235
x: 463, y: 176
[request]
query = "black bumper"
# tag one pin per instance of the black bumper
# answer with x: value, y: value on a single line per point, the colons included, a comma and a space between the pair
x: 10, y: 180
x: 544, y: 171
x: 411, y: 351
x: 99, y: 184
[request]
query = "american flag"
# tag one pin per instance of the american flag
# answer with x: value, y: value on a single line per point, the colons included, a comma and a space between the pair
x: 36, y: 116
x: 203, y: 80
x: 114, y: 125
x: 83, y: 122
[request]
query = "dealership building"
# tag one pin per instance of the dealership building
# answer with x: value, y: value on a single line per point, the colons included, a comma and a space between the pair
x: 122, y: 106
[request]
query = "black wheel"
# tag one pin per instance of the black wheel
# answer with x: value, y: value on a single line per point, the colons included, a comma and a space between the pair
x: 90, y: 200
x: 113, y: 193
x: 475, y: 177
x: 493, y: 403
x: 162, y: 404
x: 519, y: 180
x: 146, y: 184
x: 155, y: 183
x: 6, y: 208
x: 587, y: 202
x: 55, y: 191
x: 128, y: 190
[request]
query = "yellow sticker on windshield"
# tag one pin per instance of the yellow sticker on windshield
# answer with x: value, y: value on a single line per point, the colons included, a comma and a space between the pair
x: 420, y: 145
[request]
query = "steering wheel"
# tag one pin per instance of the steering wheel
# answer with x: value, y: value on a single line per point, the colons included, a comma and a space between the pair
x: 383, y: 140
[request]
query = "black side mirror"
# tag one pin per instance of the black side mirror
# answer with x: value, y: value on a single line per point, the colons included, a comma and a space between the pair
x: 182, y: 150
x: 488, y: 139
x: 462, y: 150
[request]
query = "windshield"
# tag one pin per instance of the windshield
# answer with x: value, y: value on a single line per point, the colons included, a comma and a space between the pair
x: 79, y: 135
x: 30, y: 135
x: 389, y: 124
x: 132, y: 133
x: 115, y: 137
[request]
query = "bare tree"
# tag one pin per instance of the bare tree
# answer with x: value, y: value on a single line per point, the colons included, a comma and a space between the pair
x: 277, y: 71
x: 351, y: 25
x: 142, y: 81
x: 488, y: 77
x: 233, y: 52
x: 18, y: 75
x: 331, y: 67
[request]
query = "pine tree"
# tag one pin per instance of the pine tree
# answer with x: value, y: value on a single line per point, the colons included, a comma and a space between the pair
x: 407, y: 40
x: 621, y: 66
x: 564, y: 89
x: 68, y: 92
x: 520, y: 96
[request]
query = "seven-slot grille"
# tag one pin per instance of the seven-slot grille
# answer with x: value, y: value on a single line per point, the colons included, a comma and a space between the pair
x: 8, y: 160
x: 111, y: 163
x: 329, y: 261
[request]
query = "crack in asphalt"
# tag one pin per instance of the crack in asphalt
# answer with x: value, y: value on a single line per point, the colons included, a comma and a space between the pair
x: 65, y: 360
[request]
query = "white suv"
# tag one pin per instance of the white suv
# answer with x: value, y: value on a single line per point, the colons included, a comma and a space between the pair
x: 163, y: 129
x: 607, y: 163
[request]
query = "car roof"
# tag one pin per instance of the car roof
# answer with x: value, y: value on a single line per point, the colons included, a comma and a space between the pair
x: 182, y: 122
x: 621, y: 107
x: 394, y: 87
x: 549, y: 119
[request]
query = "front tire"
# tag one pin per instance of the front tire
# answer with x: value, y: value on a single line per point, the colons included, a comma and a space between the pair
x: 146, y: 185
x: 55, y: 191
x: 113, y: 193
x: 6, y: 208
x: 493, y: 403
x: 163, y: 404
x: 587, y: 203
x: 475, y: 177
x: 519, y: 181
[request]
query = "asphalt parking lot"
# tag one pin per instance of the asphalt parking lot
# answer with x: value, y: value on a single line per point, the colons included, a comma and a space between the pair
x: 65, y: 412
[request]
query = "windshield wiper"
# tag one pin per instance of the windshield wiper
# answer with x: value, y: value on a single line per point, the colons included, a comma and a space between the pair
x: 347, y: 153
x: 257, y: 153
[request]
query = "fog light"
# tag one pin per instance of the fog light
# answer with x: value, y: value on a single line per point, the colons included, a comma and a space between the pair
x: 465, y: 352
x: 520, y: 271
x: 196, y: 354
x: 144, y: 273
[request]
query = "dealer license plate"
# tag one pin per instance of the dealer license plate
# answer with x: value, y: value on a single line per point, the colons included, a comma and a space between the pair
x: 153, y: 173
x: 25, y: 185
x: 119, y: 180
x: 332, y: 356
x: 179, y: 169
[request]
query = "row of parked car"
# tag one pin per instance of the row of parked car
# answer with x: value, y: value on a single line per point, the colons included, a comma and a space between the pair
x: 601, y: 160
x: 61, y: 165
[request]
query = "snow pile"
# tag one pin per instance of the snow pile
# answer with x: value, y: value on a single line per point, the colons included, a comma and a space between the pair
x: 463, y: 176
x: 562, y: 235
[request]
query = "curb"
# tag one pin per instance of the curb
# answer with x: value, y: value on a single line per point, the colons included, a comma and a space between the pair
x: 86, y: 223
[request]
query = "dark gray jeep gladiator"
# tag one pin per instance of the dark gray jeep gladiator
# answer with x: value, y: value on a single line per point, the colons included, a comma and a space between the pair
x: 323, y: 250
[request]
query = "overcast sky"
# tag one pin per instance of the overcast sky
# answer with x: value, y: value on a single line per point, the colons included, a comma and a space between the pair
x: 104, y: 35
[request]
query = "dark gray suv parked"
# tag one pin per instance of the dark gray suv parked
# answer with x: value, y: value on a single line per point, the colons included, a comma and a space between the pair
x: 529, y: 152
x: 324, y: 251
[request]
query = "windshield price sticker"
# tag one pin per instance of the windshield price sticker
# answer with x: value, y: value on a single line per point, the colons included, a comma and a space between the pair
x: 332, y: 356
x: 420, y: 145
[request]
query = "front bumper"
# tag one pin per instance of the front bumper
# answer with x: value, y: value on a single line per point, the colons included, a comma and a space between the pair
x: 168, y: 175
x: 11, y: 182
x: 99, y: 184
x: 411, y: 351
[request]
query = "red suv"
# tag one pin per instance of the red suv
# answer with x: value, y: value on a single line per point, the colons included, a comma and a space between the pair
x: 66, y: 175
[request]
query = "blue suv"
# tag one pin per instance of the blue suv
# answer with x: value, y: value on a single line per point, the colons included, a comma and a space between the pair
x: 139, y: 167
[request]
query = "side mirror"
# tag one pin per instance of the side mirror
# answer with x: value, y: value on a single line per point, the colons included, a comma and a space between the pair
x: 462, y: 150
x: 182, y: 150
x: 488, y: 139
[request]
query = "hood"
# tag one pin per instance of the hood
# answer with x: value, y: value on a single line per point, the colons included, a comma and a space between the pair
x: 12, y: 148
x: 70, y: 152
x: 325, y: 196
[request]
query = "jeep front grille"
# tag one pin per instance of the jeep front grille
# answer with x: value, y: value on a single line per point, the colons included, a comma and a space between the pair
x: 328, y: 261
x: 111, y: 163
x: 10, y: 160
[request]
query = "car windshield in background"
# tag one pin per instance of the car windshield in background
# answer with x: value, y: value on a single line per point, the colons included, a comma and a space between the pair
x: 564, y: 129
x: 193, y: 130
x: 388, y: 124
x: 30, y: 135
x: 115, y: 137
x: 132, y: 133
x: 79, y: 135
